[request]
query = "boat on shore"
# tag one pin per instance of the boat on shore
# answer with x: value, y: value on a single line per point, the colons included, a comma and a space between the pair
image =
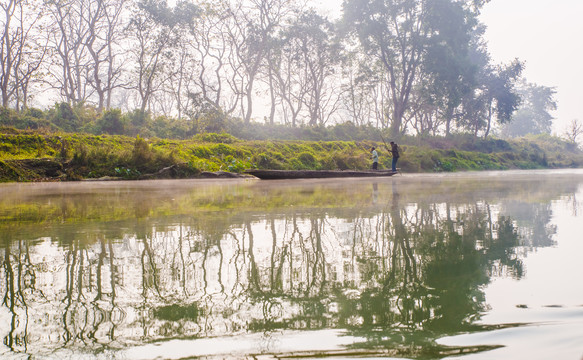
x: 316, y: 174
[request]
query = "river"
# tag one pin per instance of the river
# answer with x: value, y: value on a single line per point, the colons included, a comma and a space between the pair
x: 483, y: 265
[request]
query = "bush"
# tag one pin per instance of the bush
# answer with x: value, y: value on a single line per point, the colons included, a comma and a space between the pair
x: 223, y: 138
x: 268, y: 161
x: 110, y: 122
x: 8, y: 117
x: 141, y: 154
x: 80, y: 155
x: 65, y: 118
x: 307, y: 160
x: 222, y: 149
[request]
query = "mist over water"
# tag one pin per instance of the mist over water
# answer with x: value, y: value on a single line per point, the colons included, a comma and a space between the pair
x: 478, y: 265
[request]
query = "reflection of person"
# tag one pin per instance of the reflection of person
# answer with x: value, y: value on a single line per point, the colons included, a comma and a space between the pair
x: 375, y: 193
x: 375, y: 158
x: 395, y: 151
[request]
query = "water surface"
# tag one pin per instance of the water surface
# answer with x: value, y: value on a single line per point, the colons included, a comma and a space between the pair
x: 477, y: 265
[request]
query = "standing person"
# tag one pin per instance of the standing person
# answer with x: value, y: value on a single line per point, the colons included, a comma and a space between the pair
x: 395, y: 151
x: 375, y: 158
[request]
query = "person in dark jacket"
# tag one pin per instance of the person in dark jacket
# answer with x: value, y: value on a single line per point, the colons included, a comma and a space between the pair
x: 395, y: 151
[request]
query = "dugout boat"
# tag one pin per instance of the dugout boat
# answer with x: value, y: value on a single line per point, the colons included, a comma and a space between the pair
x: 316, y: 174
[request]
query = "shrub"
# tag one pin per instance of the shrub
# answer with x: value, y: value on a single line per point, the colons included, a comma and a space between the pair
x: 267, y: 161
x: 34, y: 113
x: 8, y: 117
x: 223, y: 138
x: 110, y: 122
x: 65, y: 118
x: 223, y: 149
x: 141, y: 153
x: 341, y: 160
x: 201, y: 151
x: 307, y: 159
x: 80, y: 155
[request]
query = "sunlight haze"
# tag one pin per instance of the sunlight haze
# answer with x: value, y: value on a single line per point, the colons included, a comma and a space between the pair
x: 544, y: 34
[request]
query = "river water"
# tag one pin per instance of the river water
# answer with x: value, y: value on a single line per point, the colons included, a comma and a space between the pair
x: 475, y: 266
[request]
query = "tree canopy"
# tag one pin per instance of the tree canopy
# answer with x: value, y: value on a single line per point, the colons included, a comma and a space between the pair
x: 403, y: 66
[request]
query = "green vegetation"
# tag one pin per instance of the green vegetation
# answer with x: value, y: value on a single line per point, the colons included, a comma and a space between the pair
x: 40, y: 155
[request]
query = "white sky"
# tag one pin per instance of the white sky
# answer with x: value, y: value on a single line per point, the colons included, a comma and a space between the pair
x: 546, y: 34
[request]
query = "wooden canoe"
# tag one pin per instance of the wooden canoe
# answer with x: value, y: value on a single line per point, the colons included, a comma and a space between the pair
x: 315, y: 174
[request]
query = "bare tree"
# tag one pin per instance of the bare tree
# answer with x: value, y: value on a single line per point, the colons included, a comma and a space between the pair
x: 254, y: 23
x: 102, y: 42
x: 155, y: 30
x: 290, y: 80
x: 148, y: 52
x: 69, y: 70
x: 181, y: 78
x: 210, y: 47
x: 321, y: 58
x: 574, y: 129
x: 365, y: 91
x: 305, y: 66
x: 20, y: 57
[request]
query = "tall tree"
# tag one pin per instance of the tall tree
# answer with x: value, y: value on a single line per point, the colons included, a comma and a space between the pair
x: 361, y: 80
x: 70, y: 56
x: 290, y: 83
x: 501, y: 97
x: 495, y: 96
x: 103, y: 42
x: 320, y: 57
x: 209, y: 47
x: 20, y: 52
x: 254, y: 25
x: 449, y: 73
x: 155, y: 31
x: 533, y: 116
x: 393, y: 31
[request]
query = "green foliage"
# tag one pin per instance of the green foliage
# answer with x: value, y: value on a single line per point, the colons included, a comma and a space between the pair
x: 237, y: 165
x: 141, y: 153
x: 34, y: 113
x: 8, y: 173
x: 137, y: 119
x: 223, y: 138
x: 201, y: 151
x: 110, y: 122
x: 81, y: 155
x: 131, y: 158
x: 222, y: 149
x: 29, y: 119
x: 342, y: 160
x: 266, y: 160
x: 305, y: 160
x: 127, y: 173
x: 65, y: 118
x: 8, y: 117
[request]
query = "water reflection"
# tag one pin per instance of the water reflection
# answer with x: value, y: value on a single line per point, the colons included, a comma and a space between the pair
x: 99, y: 267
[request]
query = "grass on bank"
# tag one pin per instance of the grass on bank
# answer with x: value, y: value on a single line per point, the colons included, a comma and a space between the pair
x: 27, y: 155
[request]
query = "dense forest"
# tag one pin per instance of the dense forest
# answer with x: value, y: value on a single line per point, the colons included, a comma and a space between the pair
x: 176, y: 69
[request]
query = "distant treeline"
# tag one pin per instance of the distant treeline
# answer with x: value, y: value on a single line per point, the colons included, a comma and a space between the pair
x: 411, y: 67
x: 83, y: 119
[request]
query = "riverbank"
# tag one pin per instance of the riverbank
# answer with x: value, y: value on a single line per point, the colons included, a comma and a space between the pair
x: 45, y: 156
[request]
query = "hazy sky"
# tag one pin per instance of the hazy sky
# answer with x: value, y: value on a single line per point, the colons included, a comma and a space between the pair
x: 546, y: 34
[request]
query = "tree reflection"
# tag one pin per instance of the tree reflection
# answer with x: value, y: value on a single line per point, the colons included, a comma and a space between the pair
x: 395, y: 269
